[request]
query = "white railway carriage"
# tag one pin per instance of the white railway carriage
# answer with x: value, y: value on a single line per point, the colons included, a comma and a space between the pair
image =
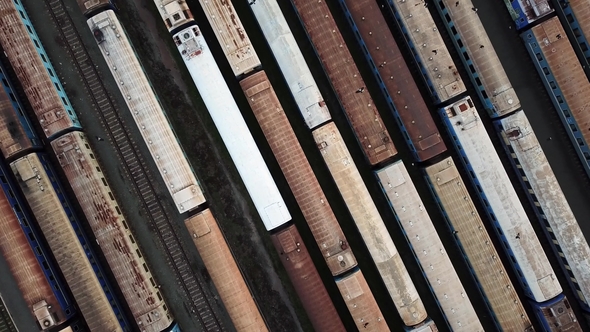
x: 500, y: 199
x: 428, y: 249
x: 473, y: 239
x: 370, y: 225
x: 437, y: 66
x: 230, y: 123
x: 111, y: 232
x: 290, y: 59
x: 479, y: 57
x: 234, y: 41
x: 146, y: 111
x: 548, y: 199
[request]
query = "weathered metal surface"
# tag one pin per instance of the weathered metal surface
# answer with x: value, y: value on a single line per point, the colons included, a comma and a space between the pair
x: 87, y: 6
x: 295, y: 167
x: 505, y: 208
x: 112, y: 232
x: 429, y: 46
x: 566, y: 69
x: 475, y: 242
x: 559, y: 316
x: 146, y: 111
x: 290, y: 59
x: 224, y: 272
x: 533, y: 9
x: 370, y: 225
x: 573, y: 248
x: 306, y: 280
x: 33, y: 69
x: 480, y: 50
x: 26, y: 270
x: 346, y: 80
x: 360, y: 302
x: 231, y: 35
x: 396, y: 77
x: 13, y: 138
x: 63, y: 242
x: 581, y: 9
x: 428, y: 248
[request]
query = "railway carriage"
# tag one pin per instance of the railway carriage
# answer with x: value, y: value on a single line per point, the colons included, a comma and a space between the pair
x: 112, y: 232
x: 33, y: 69
x: 476, y: 245
x: 543, y: 190
x: 346, y: 80
x: 370, y: 225
x: 576, y: 14
x: 429, y: 50
x: 428, y: 248
x: 526, y: 12
x: 479, y: 57
x: 503, y: 207
x: 16, y: 133
x: 43, y: 290
x: 224, y: 272
x: 146, y: 110
x: 394, y: 77
x: 293, y: 66
x: 565, y: 81
x: 67, y: 242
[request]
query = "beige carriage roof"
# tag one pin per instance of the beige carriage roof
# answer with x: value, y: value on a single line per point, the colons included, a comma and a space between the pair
x: 147, y: 111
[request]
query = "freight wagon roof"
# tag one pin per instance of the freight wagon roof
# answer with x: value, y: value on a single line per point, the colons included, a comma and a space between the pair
x: 146, y: 111
x: 465, y: 124
x: 33, y: 69
x: 232, y: 127
x: 290, y: 59
x: 63, y: 241
x: 346, y: 80
x: 111, y: 231
x: 428, y: 45
x: 231, y: 36
x: 428, y: 248
x: 475, y: 242
x: 396, y: 77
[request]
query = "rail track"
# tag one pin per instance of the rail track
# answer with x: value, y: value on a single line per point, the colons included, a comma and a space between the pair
x: 135, y: 168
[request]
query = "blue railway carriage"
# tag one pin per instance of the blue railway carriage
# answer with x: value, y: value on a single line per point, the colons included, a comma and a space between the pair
x: 429, y: 49
x: 479, y: 57
x: 525, y: 12
x: 550, y: 204
x: 478, y: 251
x: 69, y: 245
x: 34, y: 70
x: 577, y: 16
x: 564, y: 80
x: 504, y: 209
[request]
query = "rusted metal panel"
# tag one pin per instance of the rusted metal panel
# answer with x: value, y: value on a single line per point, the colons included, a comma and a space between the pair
x: 475, y: 242
x: 360, y: 303
x: 13, y: 138
x: 111, y: 231
x: 346, y: 80
x: 231, y: 35
x: 295, y: 167
x: 224, y: 272
x: 26, y: 270
x: 370, y: 224
x: 63, y: 242
x: 397, y: 78
x: 306, y: 280
x: 567, y: 71
x: 32, y: 67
